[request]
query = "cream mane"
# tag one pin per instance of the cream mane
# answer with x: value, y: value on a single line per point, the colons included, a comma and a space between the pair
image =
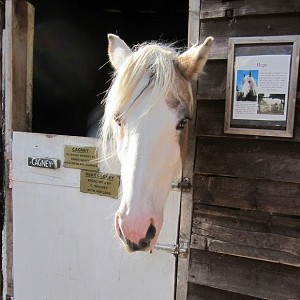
x: 154, y: 59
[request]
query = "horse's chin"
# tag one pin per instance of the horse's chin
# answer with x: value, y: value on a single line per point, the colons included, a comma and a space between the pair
x: 149, y: 248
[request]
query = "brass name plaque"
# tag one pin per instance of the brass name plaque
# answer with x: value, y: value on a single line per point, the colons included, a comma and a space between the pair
x: 99, y: 183
x: 81, y: 157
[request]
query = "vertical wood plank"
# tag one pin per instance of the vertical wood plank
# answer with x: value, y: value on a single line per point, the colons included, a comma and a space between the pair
x: 17, y: 82
x: 1, y: 149
x: 22, y: 55
x: 187, y: 198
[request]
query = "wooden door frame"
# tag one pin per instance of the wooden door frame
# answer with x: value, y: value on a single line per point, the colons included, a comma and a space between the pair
x: 185, y: 222
x: 2, y: 6
x: 17, y: 55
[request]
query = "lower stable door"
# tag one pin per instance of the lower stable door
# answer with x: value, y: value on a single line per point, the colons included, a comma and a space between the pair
x: 64, y: 243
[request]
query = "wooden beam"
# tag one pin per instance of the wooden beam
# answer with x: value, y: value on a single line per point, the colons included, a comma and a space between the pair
x: 261, y: 25
x: 17, y: 76
x: 202, y: 292
x: 256, y: 159
x: 248, y: 194
x: 216, y: 9
x: 245, y: 276
x: 186, y: 210
x: 210, y: 121
x: 248, y: 234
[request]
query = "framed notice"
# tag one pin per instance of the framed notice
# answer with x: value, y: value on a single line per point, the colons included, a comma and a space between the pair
x: 262, y: 74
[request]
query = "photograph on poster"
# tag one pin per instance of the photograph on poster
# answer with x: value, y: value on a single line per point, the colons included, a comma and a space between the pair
x: 246, y: 85
x: 262, y: 84
x: 262, y: 79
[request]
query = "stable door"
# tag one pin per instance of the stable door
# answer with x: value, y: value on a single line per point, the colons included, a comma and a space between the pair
x: 64, y: 243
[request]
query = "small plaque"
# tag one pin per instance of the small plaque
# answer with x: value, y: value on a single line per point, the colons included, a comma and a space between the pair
x: 46, y: 163
x: 81, y: 157
x: 99, y: 183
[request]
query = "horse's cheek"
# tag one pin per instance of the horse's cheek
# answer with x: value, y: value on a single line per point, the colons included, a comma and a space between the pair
x: 176, y: 157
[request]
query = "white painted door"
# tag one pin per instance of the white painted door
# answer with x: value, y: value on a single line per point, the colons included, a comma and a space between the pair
x: 64, y: 245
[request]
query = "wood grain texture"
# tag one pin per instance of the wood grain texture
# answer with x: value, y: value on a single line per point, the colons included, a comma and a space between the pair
x: 248, y: 194
x: 246, y: 276
x: 210, y: 121
x: 222, y: 29
x: 186, y: 203
x: 210, y: 118
x: 216, y: 8
x: 241, y: 181
x: 256, y: 159
x: 202, y: 292
x: 248, y: 234
x: 212, y: 82
x: 17, y: 83
x: 22, y: 57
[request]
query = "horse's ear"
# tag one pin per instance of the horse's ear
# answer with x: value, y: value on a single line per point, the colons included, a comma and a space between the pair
x: 118, y: 50
x: 192, y: 61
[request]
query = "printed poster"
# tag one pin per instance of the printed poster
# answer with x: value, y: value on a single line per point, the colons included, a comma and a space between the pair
x: 261, y: 85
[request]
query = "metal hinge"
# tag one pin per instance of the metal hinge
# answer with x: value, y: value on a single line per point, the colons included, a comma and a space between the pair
x: 178, y: 249
x: 184, y: 185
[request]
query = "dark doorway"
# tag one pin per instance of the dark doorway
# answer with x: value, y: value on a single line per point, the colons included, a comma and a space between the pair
x: 70, y: 53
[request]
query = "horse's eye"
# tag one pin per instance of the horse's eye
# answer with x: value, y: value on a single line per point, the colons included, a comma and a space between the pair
x: 118, y: 120
x: 182, y: 123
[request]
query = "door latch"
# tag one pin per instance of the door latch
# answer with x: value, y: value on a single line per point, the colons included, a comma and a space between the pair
x: 178, y: 249
x: 184, y: 185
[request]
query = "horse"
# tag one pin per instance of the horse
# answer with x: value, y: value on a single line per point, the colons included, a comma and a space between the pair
x: 273, y: 104
x: 147, y: 109
x: 249, y: 88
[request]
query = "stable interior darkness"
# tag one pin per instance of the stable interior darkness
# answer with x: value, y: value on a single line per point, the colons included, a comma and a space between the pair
x: 70, y: 69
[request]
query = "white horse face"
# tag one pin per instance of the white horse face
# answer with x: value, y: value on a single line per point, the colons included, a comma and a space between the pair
x: 249, y: 85
x: 150, y: 132
x: 245, y: 86
x: 150, y: 154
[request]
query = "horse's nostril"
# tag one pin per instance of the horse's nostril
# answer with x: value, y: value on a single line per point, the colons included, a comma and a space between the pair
x: 145, y: 242
x: 151, y: 232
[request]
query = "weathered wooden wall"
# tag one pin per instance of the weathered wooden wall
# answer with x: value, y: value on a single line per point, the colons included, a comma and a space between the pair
x: 246, y: 218
x: 17, y: 90
x: 2, y: 21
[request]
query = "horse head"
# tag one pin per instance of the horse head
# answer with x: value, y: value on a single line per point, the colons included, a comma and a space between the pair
x: 147, y: 109
x: 249, y: 86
